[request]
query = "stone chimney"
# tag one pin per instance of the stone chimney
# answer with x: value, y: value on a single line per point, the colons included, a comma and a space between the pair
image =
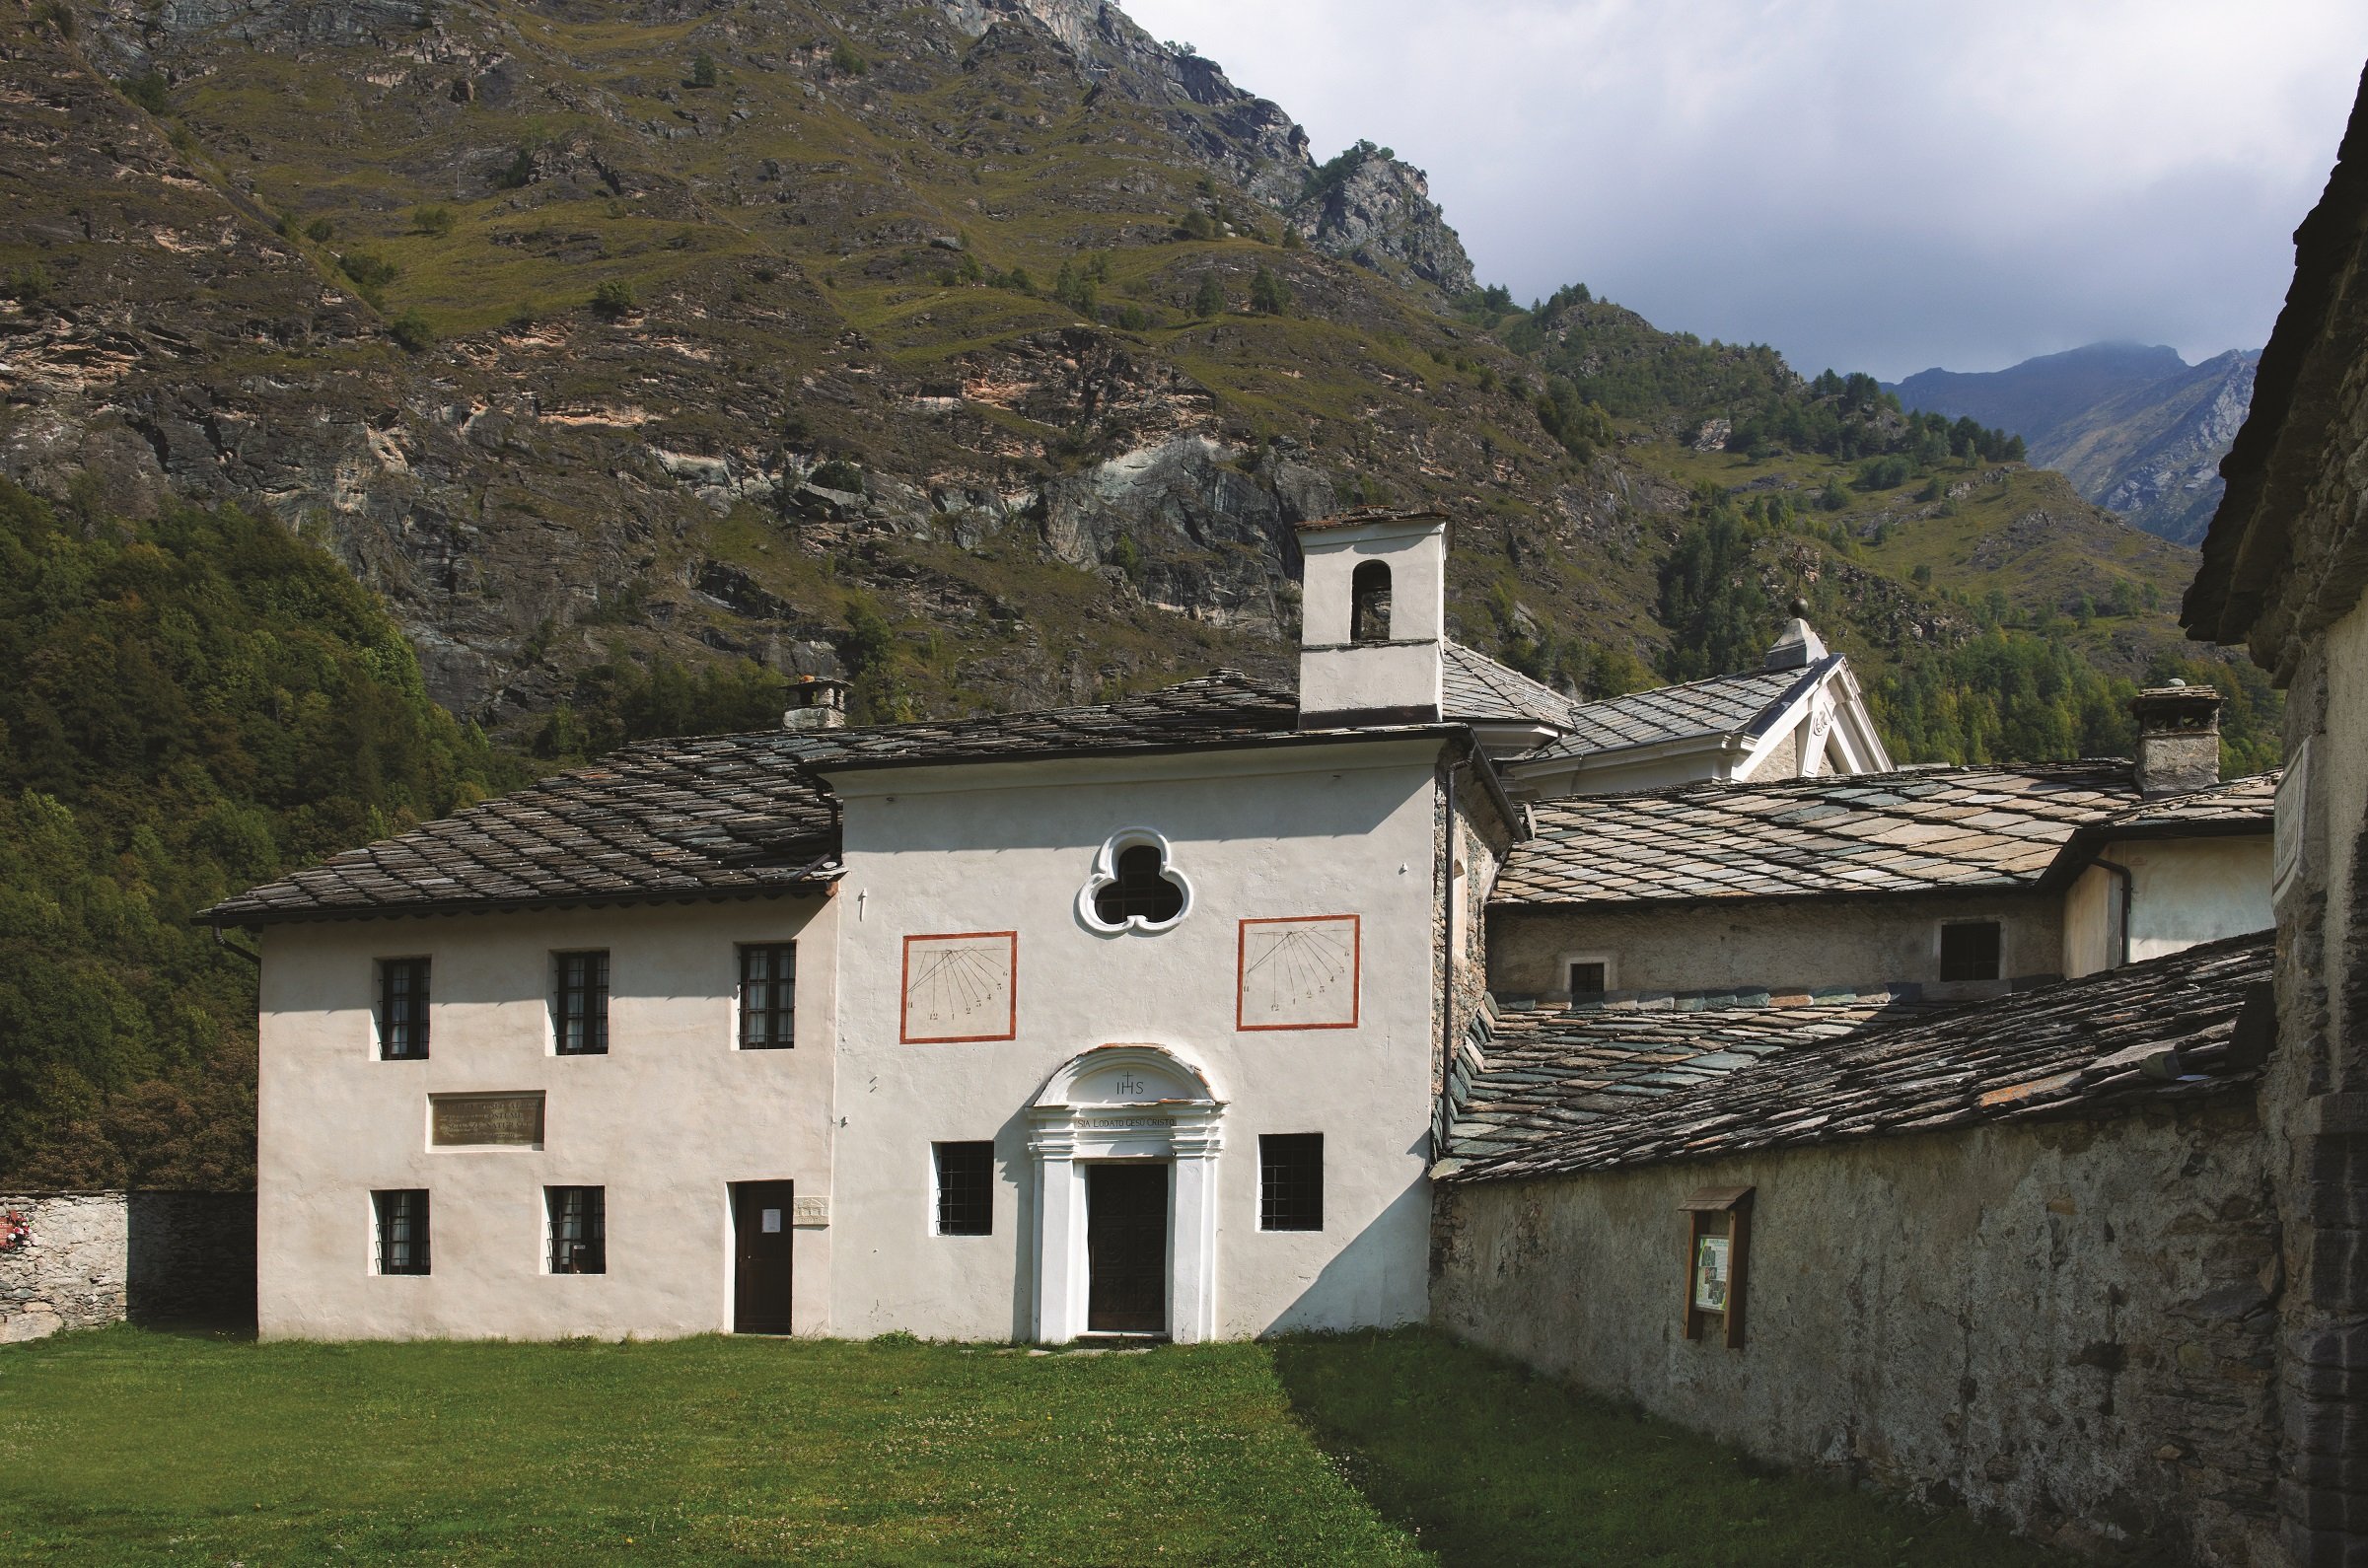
x: 1799, y: 647
x: 1373, y: 619
x: 819, y: 702
x: 2179, y: 739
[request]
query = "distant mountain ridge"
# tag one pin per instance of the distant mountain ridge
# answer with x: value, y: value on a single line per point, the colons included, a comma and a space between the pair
x: 2133, y: 426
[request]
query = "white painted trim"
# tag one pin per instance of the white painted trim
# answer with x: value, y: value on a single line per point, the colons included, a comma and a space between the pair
x: 1106, y: 872
x: 1169, y: 1114
x: 1609, y: 960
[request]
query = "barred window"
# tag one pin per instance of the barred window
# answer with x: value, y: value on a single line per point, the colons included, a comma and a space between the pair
x: 1291, y: 1181
x: 1587, y: 979
x: 579, y: 1229
x: 580, y: 1010
x: 768, y: 981
x: 1970, y: 949
x: 403, y: 1230
x: 402, y: 1009
x: 965, y: 1188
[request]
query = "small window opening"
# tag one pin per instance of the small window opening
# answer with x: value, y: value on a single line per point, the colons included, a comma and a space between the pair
x: 965, y: 1188
x: 1139, y: 889
x: 1369, y: 603
x: 580, y: 1010
x: 579, y: 1229
x: 1969, y: 951
x: 403, y: 1230
x: 402, y: 1011
x: 768, y: 993
x: 1291, y: 1181
x: 1586, y: 981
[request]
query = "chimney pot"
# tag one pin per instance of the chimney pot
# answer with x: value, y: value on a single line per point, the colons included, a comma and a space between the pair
x: 2179, y: 739
x: 820, y: 702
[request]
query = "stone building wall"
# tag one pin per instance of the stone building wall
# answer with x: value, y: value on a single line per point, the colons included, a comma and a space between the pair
x: 101, y: 1257
x: 2066, y: 1327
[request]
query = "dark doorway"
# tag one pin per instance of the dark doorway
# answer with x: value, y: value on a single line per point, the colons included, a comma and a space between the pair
x: 761, y: 1236
x: 1126, y: 1248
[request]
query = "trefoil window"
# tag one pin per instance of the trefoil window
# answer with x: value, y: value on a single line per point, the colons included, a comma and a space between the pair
x: 579, y: 1222
x: 402, y: 1009
x: 1134, y: 885
x: 769, y: 979
x: 403, y: 1230
x: 965, y: 1188
x: 580, y: 1008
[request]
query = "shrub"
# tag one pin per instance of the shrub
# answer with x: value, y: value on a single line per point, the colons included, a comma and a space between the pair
x: 320, y: 230
x: 614, y: 300
x: 838, y: 474
x: 411, y: 331
x: 435, y: 222
x: 368, y: 270
x: 1196, y: 225
x: 703, y: 71
x: 522, y: 318
x: 1923, y: 575
x: 519, y: 173
x: 1018, y: 280
x: 1291, y: 238
x: 1834, y: 498
x: 1882, y: 473
x: 1133, y: 318
x: 29, y: 283
x: 1074, y: 288
x: 148, y: 90
x: 57, y: 14
x: 1209, y: 298
x: 844, y: 61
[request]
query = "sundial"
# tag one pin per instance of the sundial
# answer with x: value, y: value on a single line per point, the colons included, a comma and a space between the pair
x: 1299, y: 972
x: 958, y: 986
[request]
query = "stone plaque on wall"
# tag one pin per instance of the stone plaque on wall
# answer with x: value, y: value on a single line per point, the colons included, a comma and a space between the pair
x: 485, y: 1121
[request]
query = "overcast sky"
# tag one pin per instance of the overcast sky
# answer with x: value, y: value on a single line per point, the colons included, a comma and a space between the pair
x: 1872, y: 184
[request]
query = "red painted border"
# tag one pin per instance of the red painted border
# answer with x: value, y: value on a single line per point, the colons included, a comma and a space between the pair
x: 1356, y: 969
x: 905, y: 1035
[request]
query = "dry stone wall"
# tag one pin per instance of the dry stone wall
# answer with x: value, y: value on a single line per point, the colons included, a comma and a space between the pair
x: 100, y: 1257
x: 2068, y: 1328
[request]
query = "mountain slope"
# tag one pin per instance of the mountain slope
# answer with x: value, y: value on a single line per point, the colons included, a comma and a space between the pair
x: 2136, y: 428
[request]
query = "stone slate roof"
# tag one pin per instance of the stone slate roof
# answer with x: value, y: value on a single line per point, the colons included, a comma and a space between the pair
x: 1743, y: 704
x: 1473, y: 686
x: 2244, y: 804
x: 723, y: 815
x: 1530, y: 1073
x: 2165, y: 1029
x: 1906, y: 832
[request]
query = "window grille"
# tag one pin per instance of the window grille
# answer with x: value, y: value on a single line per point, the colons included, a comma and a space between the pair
x: 1139, y: 889
x: 1587, y: 979
x: 768, y: 979
x: 579, y: 1229
x: 403, y: 1230
x: 1369, y: 603
x: 1969, y: 951
x: 402, y: 1009
x: 965, y: 1188
x: 580, y: 1011
x: 1291, y: 1181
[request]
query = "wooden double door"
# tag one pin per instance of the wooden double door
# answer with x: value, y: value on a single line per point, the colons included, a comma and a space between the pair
x: 761, y: 1234
x: 1126, y: 1248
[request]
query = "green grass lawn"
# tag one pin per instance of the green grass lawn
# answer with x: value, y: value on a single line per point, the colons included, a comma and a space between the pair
x: 131, y: 1446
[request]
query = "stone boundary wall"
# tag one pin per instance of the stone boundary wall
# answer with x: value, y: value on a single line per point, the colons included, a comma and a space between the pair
x: 2068, y: 1327
x: 102, y: 1258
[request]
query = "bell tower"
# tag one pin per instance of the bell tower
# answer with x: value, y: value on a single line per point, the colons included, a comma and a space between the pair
x: 1372, y: 611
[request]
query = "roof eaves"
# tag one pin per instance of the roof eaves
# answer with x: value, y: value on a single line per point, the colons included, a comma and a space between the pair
x: 1228, y: 743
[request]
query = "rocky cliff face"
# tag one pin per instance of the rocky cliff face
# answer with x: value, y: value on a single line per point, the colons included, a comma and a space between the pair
x: 2135, y: 428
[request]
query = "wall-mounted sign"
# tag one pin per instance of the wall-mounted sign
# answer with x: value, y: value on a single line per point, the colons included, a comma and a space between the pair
x: 810, y: 1211
x: 485, y: 1121
x: 961, y: 986
x: 1717, y: 1252
x: 1298, y: 972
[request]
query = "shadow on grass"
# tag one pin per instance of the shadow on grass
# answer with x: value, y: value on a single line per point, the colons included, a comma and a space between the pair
x: 1492, y: 1467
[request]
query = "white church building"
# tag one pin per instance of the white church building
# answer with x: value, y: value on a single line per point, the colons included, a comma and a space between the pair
x: 1132, y: 1020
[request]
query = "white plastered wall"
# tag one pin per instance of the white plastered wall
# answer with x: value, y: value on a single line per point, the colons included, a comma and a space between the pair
x: 1266, y: 832
x: 1405, y: 671
x: 2183, y: 891
x: 665, y: 1122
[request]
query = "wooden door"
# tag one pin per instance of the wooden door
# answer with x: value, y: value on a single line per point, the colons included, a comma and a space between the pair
x: 760, y: 1239
x: 1126, y: 1248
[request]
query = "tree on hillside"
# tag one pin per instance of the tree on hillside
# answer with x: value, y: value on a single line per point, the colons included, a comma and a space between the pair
x: 1209, y: 299
x: 1270, y: 295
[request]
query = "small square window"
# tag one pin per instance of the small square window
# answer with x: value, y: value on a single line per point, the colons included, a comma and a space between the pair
x: 403, y: 1230
x: 580, y: 1005
x: 402, y: 1009
x: 579, y: 1219
x: 1969, y: 950
x: 965, y: 1188
x: 1588, y: 979
x: 1291, y: 1181
x: 768, y: 985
